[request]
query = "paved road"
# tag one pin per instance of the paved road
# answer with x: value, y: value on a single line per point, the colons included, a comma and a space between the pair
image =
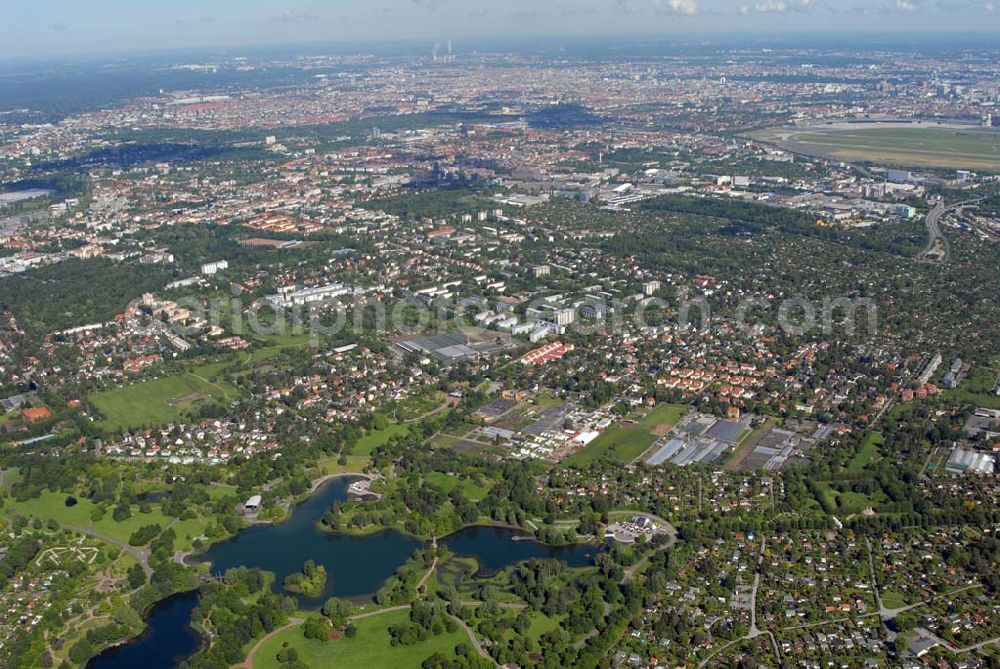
x: 935, y: 240
x: 430, y: 572
x: 882, y: 611
x: 889, y: 614
x: 405, y: 607
x: 474, y: 639
x: 754, y: 630
x: 428, y: 414
x: 372, y: 614
x: 248, y: 662
x: 953, y: 648
x: 141, y: 555
x: 672, y: 539
x: 634, y: 569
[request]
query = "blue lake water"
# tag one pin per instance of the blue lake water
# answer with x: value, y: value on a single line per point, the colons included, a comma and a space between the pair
x: 167, y: 641
x: 356, y: 567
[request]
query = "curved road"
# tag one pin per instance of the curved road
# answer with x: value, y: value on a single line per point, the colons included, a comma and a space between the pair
x: 671, y: 540
x: 937, y: 243
x: 141, y: 555
x: 248, y: 662
x: 631, y: 572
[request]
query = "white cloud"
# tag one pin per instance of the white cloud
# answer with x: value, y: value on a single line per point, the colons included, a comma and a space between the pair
x: 295, y: 17
x: 905, y: 5
x: 687, y: 7
x: 780, y: 7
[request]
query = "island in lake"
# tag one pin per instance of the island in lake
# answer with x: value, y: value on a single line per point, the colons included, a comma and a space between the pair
x: 310, y: 582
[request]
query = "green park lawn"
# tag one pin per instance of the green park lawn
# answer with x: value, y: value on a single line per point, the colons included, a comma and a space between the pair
x: 540, y: 624
x: 274, y: 345
x: 977, y: 387
x: 472, y: 490
x: 893, y: 600
x: 157, y: 402
x: 420, y: 404
x: 287, y: 340
x: 331, y: 465
x: 369, y: 648
x: 52, y: 505
x: 848, y: 502
x: 376, y: 438
x: 10, y: 477
x: 868, y: 453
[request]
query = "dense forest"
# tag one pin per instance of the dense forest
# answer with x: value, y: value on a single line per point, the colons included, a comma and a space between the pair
x: 77, y: 292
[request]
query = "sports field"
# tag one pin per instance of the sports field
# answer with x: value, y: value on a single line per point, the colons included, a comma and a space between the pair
x: 665, y: 415
x: 623, y: 443
x: 157, y: 402
x: 627, y: 442
x: 923, y: 146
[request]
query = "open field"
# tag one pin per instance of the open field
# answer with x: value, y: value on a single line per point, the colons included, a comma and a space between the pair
x: 10, y: 477
x: 847, y: 502
x: 665, y: 415
x: 622, y: 443
x: 893, y: 600
x: 540, y: 624
x: 376, y: 438
x: 420, y: 405
x: 447, y: 482
x: 627, y: 442
x: 977, y: 387
x: 52, y: 505
x: 905, y: 145
x: 868, y: 453
x: 370, y: 648
x: 331, y: 466
x: 158, y: 401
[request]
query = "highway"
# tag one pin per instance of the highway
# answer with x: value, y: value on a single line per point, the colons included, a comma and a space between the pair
x: 937, y: 245
x: 938, y: 249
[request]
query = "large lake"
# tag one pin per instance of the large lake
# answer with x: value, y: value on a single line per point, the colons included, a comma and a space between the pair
x: 167, y: 641
x: 356, y: 567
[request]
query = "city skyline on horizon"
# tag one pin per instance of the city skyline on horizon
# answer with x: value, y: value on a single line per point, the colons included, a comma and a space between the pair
x: 59, y: 27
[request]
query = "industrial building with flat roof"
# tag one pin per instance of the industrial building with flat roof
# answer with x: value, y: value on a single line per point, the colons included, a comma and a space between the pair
x: 451, y: 349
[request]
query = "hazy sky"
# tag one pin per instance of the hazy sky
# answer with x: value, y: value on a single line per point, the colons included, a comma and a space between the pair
x: 46, y: 27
